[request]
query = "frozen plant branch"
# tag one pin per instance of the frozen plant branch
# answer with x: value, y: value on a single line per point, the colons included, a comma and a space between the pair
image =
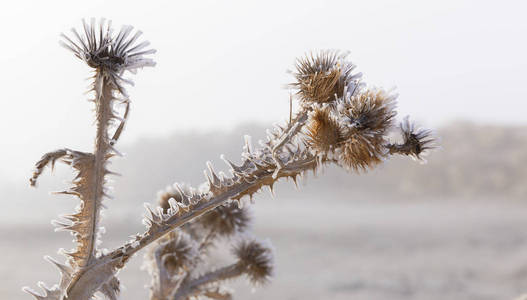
x: 340, y: 121
x: 254, y: 260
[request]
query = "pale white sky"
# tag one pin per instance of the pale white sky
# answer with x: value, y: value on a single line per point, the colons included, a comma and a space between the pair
x: 224, y: 62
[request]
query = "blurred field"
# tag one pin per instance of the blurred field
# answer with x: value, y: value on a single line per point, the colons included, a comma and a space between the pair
x: 452, y: 229
x: 418, y: 250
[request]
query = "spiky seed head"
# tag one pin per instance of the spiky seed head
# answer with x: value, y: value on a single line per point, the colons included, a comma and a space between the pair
x: 100, y: 48
x: 416, y: 141
x: 323, y: 131
x: 323, y: 77
x: 256, y: 259
x: 359, y: 153
x: 320, y: 87
x: 178, y: 251
x: 227, y: 219
x: 317, y: 77
x: 372, y: 110
x: 321, y: 62
x: 366, y: 117
x: 109, y: 53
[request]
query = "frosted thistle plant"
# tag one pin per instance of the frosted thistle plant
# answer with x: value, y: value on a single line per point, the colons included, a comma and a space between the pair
x: 340, y: 121
x: 110, y: 56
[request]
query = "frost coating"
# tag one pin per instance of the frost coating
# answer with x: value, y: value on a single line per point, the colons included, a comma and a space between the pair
x: 340, y: 121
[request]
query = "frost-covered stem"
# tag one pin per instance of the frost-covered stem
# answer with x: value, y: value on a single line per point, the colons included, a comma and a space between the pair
x: 118, y: 257
x: 166, y: 286
x: 127, y: 250
x: 292, y: 129
x: 103, y: 109
x: 193, y: 287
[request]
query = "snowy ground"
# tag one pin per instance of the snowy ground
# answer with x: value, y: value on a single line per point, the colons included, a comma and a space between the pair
x: 337, y: 250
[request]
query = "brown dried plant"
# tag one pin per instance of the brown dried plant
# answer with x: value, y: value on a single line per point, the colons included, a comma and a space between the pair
x: 340, y: 121
x: 323, y: 131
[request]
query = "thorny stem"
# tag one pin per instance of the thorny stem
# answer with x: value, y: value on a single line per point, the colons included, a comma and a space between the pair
x: 102, y: 146
x: 110, y: 55
x: 103, y: 108
x: 123, y: 253
x: 118, y: 257
x: 292, y: 129
x: 126, y: 251
x: 192, y: 289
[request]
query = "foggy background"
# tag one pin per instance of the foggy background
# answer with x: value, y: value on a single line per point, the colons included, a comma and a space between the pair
x: 451, y: 229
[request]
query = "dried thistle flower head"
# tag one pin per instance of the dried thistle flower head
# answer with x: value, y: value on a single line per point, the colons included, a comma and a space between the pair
x: 323, y: 131
x: 324, y: 77
x: 371, y: 110
x: 227, y: 219
x: 256, y: 258
x: 416, y: 141
x: 366, y: 117
x: 360, y: 153
x: 109, y: 53
x: 178, y: 251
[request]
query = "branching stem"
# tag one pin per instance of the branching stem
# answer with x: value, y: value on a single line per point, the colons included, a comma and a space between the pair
x: 193, y: 287
x: 292, y: 129
x: 176, y: 221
